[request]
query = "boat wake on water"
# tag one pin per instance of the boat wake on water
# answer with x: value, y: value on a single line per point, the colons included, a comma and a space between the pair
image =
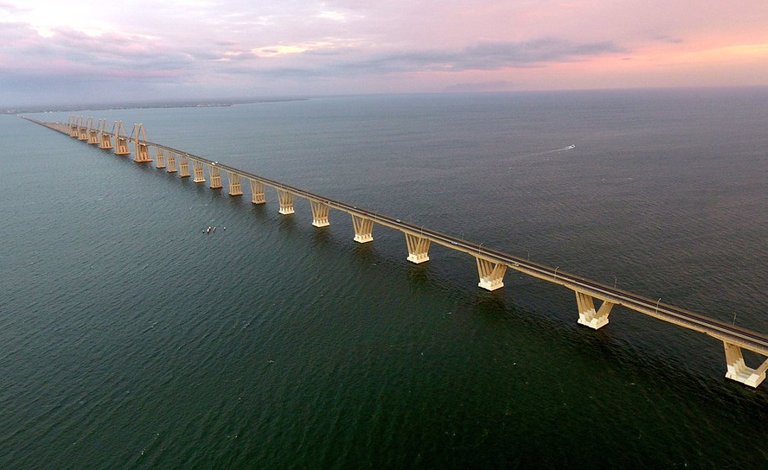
x: 546, y: 152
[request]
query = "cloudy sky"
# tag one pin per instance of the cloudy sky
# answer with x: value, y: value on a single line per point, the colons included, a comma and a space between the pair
x: 57, y: 51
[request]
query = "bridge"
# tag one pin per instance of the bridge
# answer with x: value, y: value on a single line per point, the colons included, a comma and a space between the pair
x: 491, y: 264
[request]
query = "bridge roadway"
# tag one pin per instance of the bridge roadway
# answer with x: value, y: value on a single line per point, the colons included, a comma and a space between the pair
x: 731, y: 335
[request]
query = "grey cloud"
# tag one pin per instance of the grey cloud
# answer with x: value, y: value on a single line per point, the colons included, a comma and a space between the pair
x: 108, y: 52
x: 668, y: 39
x: 498, y: 85
x: 504, y: 54
x: 482, y: 56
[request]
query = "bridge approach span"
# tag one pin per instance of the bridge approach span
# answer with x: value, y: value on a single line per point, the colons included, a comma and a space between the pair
x: 492, y: 264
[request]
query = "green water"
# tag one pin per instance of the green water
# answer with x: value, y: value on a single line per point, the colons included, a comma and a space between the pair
x: 129, y: 338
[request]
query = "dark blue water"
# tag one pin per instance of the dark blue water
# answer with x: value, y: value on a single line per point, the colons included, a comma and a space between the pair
x: 129, y: 338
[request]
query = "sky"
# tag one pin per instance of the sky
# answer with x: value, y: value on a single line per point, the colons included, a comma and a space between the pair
x: 78, y: 51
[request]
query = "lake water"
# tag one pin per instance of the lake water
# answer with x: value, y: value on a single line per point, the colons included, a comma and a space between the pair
x: 129, y: 338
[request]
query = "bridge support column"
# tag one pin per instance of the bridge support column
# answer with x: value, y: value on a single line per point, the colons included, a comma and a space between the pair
x: 319, y: 214
x: 121, y: 140
x: 122, y: 146
x: 363, y: 229
x: 82, y: 133
x: 587, y: 314
x: 737, y: 370
x: 183, y: 167
x: 235, y: 189
x: 171, y: 163
x: 160, y: 158
x: 142, y: 153
x: 198, y: 169
x: 418, y: 248
x: 93, y: 137
x: 257, y: 192
x: 491, y: 274
x: 140, y: 146
x: 215, y: 174
x: 286, y: 202
x: 106, y: 141
x: 73, y: 127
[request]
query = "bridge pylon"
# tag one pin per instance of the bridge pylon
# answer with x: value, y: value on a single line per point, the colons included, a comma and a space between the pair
x: 285, y: 199
x: 82, y: 129
x: 418, y: 248
x: 105, y: 138
x: 235, y: 188
x: 491, y: 274
x: 140, y: 147
x: 363, y: 229
x: 588, y: 316
x: 121, y: 140
x: 184, y: 167
x: 197, y: 167
x: 74, y: 126
x: 160, y: 156
x: 215, y: 174
x: 257, y: 192
x: 171, y: 162
x: 93, y: 132
x: 738, y: 370
x: 319, y: 213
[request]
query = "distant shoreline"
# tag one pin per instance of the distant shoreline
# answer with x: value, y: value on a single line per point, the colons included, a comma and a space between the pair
x: 214, y: 103
x: 146, y: 105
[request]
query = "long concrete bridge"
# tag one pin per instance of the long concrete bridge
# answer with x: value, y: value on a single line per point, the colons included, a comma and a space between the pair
x: 491, y: 264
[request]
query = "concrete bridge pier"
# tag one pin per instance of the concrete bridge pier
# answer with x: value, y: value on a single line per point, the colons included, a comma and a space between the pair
x: 73, y: 127
x: 286, y: 201
x: 587, y: 314
x: 363, y: 229
x: 121, y: 140
x: 171, y: 162
x: 140, y: 146
x: 491, y: 274
x: 235, y: 189
x: 105, y: 138
x: 82, y: 130
x: 106, y: 141
x: 257, y: 192
x: 93, y: 133
x: 198, y: 169
x: 160, y: 158
x: 215, y: 174
x: 141, y: 153
x: 737, y: 370
x: 418, y: 248
x: 183, y: 167
x: 122, y: 146
x: 319, y: 214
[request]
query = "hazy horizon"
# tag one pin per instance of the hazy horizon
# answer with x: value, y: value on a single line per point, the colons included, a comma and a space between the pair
x: 223, y: 101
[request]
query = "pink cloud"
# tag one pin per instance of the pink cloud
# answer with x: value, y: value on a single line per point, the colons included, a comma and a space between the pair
x: 380, y: 46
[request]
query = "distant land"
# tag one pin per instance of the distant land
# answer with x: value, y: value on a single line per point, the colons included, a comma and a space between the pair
x: 145, y: 104
x: 225, y: 102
